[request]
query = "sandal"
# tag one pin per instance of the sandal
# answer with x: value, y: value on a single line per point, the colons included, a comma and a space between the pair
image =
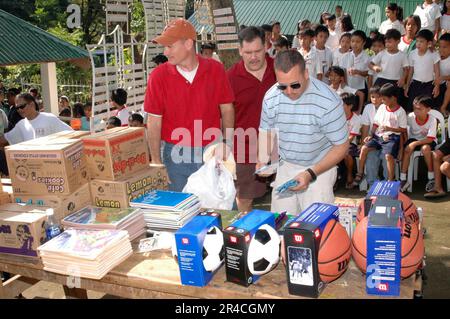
x: 435, y: 194
x: 358, y: 179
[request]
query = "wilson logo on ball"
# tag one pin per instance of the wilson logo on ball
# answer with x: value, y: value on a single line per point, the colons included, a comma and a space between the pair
x: 185, y: 241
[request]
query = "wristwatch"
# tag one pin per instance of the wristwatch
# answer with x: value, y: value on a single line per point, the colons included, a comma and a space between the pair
x: 313, y: 175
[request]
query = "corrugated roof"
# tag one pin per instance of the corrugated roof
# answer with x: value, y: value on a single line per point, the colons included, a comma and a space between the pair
x: 289, y: 12
x: 22, y: 43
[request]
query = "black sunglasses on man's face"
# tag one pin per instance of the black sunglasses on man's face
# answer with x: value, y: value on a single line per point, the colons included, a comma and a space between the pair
x: 21, y: 106
x: 294, y: 86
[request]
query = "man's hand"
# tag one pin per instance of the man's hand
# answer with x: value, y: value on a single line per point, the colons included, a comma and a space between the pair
x: 303, y: 179
x: 406, y: 91
x: 401, y: 83
x: 377, y: 68
x: 258, y: 166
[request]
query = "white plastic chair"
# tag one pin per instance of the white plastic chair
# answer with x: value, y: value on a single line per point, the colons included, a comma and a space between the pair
x: 413, y: 169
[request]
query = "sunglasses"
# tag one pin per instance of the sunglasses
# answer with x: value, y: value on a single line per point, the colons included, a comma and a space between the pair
x: 294, y: 86
x: 22, y: 106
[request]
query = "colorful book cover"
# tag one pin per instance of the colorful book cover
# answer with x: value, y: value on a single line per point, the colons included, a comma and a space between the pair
x: 88, y: 244
x: 162, y: 199
x: 92, y: 215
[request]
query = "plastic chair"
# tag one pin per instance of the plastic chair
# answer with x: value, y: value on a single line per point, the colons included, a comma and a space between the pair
x: 413, y: 169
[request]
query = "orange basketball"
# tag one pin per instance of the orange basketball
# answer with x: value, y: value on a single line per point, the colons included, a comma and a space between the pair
x: 412, y: 247
x: 334, y: 251
x: 409, y: 210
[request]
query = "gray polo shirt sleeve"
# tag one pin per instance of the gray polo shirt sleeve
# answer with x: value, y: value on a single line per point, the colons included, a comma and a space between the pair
x: 333, y: 124
x: 267, y: 122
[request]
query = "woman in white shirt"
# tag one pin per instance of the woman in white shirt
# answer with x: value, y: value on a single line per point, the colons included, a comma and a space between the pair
x: 445, y: 19
x: 394, y: 14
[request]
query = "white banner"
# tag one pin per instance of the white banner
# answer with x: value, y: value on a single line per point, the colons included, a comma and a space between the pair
x: 228, y: 46
x: 222, y: 12
x: 225, y: 30
x: 226, y: 37
x: 224, y: 20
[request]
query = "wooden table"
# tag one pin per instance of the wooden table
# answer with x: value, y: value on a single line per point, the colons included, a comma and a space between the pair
x: 155, y: 275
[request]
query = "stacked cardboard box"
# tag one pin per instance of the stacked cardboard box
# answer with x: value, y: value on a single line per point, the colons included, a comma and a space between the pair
x: 118, y: 162
x: 50, y: 171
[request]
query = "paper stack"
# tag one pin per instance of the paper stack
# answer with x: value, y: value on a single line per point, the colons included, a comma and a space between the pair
x: 91, y: 217
x: 167, y: 211
x: 85, y: 253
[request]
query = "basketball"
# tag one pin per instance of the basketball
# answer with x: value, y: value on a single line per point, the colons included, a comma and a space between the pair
x: 412, y: 247
x: 334, y: 251
x: 409, y: 210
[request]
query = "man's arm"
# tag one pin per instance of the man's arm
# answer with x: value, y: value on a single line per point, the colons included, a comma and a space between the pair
x: 154, y: 124
x: 3, y: 141
x: 228, y: 116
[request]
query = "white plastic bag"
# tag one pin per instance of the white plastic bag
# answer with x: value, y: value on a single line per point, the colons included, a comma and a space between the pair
x: 213, y: 184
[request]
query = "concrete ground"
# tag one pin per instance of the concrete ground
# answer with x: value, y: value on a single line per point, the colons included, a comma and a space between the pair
x: 437, y: 243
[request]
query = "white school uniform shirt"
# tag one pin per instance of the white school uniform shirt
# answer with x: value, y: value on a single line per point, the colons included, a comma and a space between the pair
x: 385, y: 117
x: 44, y: 124
x: 361, y: 63
x: 445, y: 22
x: 391, y: 64
x: 343, y: 89
x: 444, y: 66
x: 428, y: 15
x: 312, y: 62
x: 368, y: 115
x: 325, y: 58
x: 354, y: 126
x: 3, y: 122
x: 420, y: 131
x: 423, y: 65
x: 337, y: 57
x: 388, y: 24
x: 403, y: 45
x: 333, y: 39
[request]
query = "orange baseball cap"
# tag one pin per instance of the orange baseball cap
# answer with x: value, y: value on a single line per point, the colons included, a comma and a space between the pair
x: 177, y: 29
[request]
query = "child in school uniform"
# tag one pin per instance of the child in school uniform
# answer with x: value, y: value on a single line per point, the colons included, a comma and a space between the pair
x: 408, y: 41
x: 394, y: 14
x: 354, y: 130
x: 421, y: 137
x: 324, y: 54
x: 334, y: 34
x: 356, y: 62
x: 444, y: 67
x: 309, y: 54
x: 430, y: 15
x: 389, y: 124
x: 337, y: 84
x: 391, y: 65
x: 344, y: 47
x: 423, y: 69
x: 377, y: 46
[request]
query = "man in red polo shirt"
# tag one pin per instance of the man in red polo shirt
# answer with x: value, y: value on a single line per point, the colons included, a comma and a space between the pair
x: 250, y: 79
x: 188, y: 100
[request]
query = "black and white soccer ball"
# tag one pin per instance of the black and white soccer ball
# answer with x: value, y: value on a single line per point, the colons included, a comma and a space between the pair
x: 213, y: 249
x: 264, y: 250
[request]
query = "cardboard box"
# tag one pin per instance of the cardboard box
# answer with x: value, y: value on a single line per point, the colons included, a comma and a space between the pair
x: 4, y: 198
x: 118, y: 194
x: 237, y: 238
x: 56, y: 137
x: 302, y: 238
x: 22, y: 229
x: 384, y: 236
x: 194, y: 256
x: 58, y: 168
x: 62, y: 205
x: 116, y: 153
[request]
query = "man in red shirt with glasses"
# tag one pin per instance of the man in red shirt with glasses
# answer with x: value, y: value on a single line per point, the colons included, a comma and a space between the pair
x: 189, y: 101
x: 250, y: 79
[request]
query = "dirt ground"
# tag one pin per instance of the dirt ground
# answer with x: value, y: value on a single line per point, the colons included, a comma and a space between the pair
x: 436, y: 221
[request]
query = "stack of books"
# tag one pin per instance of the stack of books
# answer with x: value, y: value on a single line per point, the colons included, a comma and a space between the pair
x: 91, y: 217
x: 167, y: 211
x: 85, y: 253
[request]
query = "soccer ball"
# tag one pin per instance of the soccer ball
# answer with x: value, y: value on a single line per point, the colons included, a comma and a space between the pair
x: 213, y: 249
x: 264, y: 250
